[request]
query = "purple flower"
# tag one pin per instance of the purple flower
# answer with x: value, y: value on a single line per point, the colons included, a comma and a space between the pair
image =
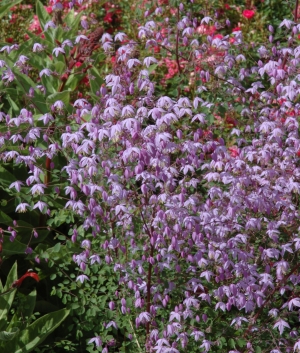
x: 46, y: 72
x: 111, y: 305
x: 149, y: 60
x: 120, y: 36
x: 37, y: 189
x: 17, y: 185
x: 8, y: 76
x: 81, y: 37
x: 58, y: 50
x: 94, y: 259
x: 46, y: 118
x: 37, y: 47
x: 67, y: 42
x: 97, y: 340
x: 113, y: 324
x: 40, y: 205
x: 82, y: 278
x: 22, y: 207
x: 49, y: 24
x: 58, y: 106
x: 13, y: 235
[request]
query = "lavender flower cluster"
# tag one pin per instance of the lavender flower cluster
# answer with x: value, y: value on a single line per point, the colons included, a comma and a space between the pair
x: 197, y: 231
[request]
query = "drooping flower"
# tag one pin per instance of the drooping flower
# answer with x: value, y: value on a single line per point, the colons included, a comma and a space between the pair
x: 22, y: 207
x: 97, y: 340
x: 82, y: 278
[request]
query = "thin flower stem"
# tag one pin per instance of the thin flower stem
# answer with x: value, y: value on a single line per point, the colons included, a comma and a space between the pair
x: 177, y: 43
x: 134, y: 334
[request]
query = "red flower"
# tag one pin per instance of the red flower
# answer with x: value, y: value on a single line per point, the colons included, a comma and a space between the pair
x: 227, y: 7
x: 219, y: 35
x: 48, y: 9
x: 18, y: 282
x: 9, y: 40
x: 233, y: 150
x: 236, y: 29
x: 248, y: 14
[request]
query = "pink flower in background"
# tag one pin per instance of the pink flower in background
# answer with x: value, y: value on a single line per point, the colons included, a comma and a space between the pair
x: 248, y: 14
x: 48, y: 9
x: 35, y: 25
x: 205, y: 29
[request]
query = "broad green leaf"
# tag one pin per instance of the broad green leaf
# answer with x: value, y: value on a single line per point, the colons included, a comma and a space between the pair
x: 5, y: 8
x: 7, y: 176
x: 28, y: 304
x: 231, y: 343
x: 59, y: 66
x: 25, y: 83
x: 11, y: 277
x: 7, y: 298
x: 12, y: 248
x: 73, y: 80
x: 57, y: 34
x: 241, y: 342
x: 36, y: 333
x: 14, y: 107
x: 42, y: 14
x: 5, y: 218
x: 95, y: 79
x: 151, y: 68
x: 9, y: 335
x: 56, y: 248
x: 72, y: 22
x: 59, y: 96
x: 25, y: 308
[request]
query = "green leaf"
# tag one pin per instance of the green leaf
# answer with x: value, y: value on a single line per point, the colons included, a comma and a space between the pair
x: 241, y: 342
x: 72, y: 22
x: 59, y: 96
x: 25, y: 83
x: 5, y: 218
x: 73, y: 80
x: 28, y: 304
x: 12, y: 248
x: 231, y: 343
x: 42, y: 14
x: 7, y: 298
x: 7, y: 336
x: 13, y: 105
x: 56, y: 248
x: 12, y: 276
x: 151, y: 68
x: 5, y: 8
x: 258, y: 349
x: 95, y: 79
x: 36, y: 333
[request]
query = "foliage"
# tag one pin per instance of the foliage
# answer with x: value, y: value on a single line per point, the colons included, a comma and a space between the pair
x: 20, y: 333
x: 164, y: 160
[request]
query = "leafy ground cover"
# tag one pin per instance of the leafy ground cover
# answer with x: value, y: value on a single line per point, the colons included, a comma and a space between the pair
x: 150, y: 176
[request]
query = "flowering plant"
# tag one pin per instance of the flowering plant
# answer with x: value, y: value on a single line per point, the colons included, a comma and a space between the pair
x: 183, y: 202
x: 23, y: 336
